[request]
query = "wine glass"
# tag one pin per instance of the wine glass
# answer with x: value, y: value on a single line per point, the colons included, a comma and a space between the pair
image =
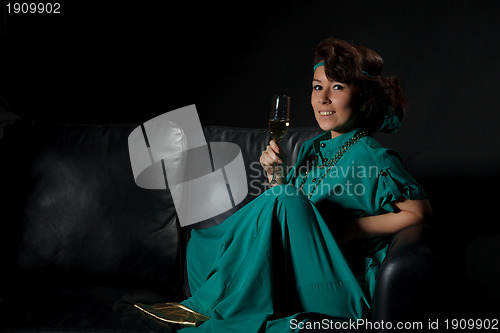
x: 279, y: 121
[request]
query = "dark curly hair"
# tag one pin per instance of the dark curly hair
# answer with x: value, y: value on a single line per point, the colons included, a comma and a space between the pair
x: 373, y: 93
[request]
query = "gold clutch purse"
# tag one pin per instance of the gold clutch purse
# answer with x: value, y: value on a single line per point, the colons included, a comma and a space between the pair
x: 174, y: 313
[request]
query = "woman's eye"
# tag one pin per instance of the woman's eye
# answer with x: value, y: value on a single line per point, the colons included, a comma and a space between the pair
x: 317, y: 87
x: 338, y: 87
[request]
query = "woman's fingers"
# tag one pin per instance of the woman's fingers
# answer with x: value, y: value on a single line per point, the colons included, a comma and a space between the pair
x: 266, y: 160
x: 271, y: 152
x: 274, y: 146
x: 270, y: 156
x: 276, y: 150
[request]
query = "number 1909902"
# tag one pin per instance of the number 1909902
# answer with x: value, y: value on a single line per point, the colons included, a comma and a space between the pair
x: 33, y: 8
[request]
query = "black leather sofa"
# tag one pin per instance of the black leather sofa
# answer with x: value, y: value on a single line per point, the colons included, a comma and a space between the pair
x: 80, y: 242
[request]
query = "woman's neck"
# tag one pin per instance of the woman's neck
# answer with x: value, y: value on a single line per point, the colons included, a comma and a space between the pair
x: 336, y: 134
x: 341, y: 132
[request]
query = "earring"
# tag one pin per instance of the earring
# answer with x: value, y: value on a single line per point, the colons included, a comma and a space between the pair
x: 364, y: 107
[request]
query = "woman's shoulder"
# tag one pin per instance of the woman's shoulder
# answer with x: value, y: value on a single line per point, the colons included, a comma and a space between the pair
x: 387, y: 162
x: 371, y: 151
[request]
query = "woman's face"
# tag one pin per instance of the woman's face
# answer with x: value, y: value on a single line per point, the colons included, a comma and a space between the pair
x: 331, y: 101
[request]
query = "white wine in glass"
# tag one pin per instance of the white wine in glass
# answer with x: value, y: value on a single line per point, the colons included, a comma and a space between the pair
x: 278, y: 128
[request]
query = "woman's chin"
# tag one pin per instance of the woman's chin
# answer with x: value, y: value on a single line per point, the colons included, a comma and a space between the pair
x: 327, y: 128
x: 340, y: 128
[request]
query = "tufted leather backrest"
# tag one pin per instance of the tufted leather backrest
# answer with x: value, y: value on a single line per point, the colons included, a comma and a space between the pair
x: 74, y: 211
x: 71, y: 208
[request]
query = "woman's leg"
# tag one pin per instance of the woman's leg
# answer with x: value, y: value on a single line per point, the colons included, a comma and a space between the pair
x: 241, y: 277
x: 324, y: 280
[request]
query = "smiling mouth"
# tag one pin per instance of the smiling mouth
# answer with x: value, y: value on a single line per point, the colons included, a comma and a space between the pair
x: 326, y: 113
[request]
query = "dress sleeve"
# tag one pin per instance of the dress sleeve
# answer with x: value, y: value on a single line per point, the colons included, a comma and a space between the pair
x: 394, y: 182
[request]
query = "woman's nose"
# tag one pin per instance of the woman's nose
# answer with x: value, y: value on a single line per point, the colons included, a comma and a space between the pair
x: 324, y: 98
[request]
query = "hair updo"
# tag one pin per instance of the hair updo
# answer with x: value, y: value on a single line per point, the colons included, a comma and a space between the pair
x: 374, y: 95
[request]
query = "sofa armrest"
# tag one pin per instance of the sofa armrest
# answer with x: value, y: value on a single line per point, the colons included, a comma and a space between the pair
x: 407, y: 280
x: 413, y: 237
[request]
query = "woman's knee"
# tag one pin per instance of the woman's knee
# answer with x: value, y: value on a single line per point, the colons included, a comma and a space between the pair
x: 292, y: 206
x: 281, y: 192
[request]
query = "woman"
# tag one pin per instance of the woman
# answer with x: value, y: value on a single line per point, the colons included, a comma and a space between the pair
x: 277, y: 260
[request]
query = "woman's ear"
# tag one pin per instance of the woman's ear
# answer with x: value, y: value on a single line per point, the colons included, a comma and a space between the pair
x: 366, y: 107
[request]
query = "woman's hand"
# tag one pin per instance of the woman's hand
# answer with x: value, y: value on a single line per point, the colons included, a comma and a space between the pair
x: 272, y: 154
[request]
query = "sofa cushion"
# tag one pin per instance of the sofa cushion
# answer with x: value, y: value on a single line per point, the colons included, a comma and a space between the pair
x: 74, y: 210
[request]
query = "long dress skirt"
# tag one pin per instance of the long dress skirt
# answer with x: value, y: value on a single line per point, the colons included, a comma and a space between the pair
x: 273, y: 262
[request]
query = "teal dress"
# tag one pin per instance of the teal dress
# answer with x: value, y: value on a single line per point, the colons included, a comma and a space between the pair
x: 275, y: 262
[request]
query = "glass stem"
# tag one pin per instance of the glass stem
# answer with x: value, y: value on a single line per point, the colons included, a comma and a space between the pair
x: 273, y: 181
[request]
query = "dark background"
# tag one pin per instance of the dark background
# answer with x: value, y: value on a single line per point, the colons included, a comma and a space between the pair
x: 129, y: 62
x: 132, y: 61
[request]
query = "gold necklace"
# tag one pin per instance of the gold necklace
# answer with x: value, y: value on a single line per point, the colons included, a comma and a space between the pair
x: 333, y: 161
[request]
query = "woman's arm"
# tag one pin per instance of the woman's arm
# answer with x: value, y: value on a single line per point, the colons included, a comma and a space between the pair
x: 410, y: 212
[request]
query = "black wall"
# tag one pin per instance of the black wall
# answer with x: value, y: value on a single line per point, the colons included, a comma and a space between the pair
x: 108, y: 63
